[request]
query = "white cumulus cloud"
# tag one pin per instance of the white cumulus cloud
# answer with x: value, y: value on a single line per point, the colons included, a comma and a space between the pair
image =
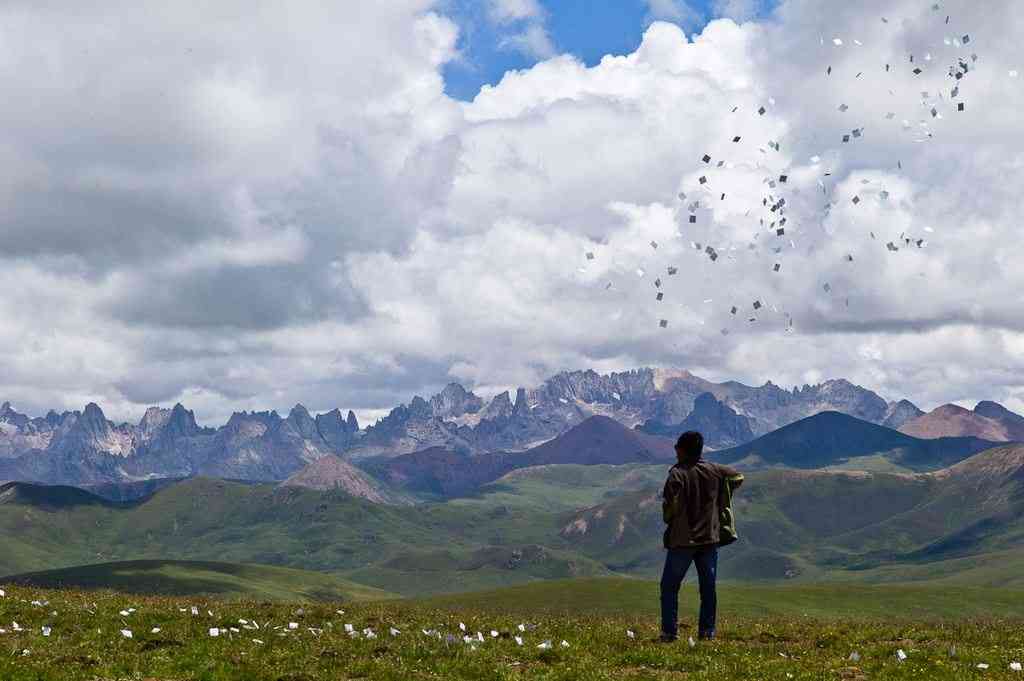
x: 247, y: 207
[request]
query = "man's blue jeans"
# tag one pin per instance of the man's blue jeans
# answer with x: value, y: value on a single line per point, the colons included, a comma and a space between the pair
x: 677, y: 562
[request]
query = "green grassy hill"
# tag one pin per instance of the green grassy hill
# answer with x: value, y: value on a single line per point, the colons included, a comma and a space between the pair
x: 816, y: 525
x: 962, y: 525
x: 190, y: 578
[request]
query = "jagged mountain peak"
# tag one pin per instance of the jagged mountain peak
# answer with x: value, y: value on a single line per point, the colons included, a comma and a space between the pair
x: 299, y: 412
x: 500, y: 406
x: 9, y: 415
x: 302, y: 423
x: 182, y: 421
x: 899, y: 413
x: 720, y: 425
x: 522, y: 402
x: 93, y: 412
x: 454, y: 401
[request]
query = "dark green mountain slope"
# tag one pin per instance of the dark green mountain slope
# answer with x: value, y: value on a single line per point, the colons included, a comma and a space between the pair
x: 834, y: 439
x: 549, y: 522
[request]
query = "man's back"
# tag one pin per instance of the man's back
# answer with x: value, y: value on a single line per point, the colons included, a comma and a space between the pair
x: 692, y: 502
x: 696, y: 507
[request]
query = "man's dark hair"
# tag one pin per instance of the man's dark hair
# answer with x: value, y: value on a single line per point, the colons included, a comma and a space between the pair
x: 691, y: 443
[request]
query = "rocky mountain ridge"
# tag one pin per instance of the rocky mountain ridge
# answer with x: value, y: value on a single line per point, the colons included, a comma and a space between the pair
x: 85, y: 448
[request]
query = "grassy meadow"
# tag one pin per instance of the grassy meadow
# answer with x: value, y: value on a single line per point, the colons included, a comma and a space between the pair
x: 781, y: 632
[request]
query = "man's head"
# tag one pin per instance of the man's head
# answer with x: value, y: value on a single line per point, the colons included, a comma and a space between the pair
x: 689, y: 446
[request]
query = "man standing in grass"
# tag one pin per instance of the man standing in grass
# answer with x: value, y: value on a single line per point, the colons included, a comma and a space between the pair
x: 697, y: 507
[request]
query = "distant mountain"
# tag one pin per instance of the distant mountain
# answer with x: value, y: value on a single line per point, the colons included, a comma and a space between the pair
x: 899, y: 413
x: 653, y: 396
x: 1012, y: 422
x: 721, y: 426
x: 833, y: 439
x: 989, y: 420
x: 447, y: 472
x: 85, y: 448
x: 330, y: 473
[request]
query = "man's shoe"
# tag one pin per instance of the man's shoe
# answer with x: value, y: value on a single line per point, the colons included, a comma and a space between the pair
x: 706, y: 636
x: 667, y: 638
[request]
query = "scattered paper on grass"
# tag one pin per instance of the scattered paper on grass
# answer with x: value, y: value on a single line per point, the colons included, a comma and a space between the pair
x: 126, y: 633
x: 545, y: 646
x: 155, y: 630
x: 1015, y: 666
x: 900, y: 655
x: 214, y: 632
x: 47, y: 631
x: 519, y: 640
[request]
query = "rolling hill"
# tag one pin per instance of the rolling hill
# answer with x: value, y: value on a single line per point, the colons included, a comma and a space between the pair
x: 834, y: 439
x: 328, y: 531
x: 834, y: 524
x: 332, y: 473
x: 549, y: 521
x: 206, y: 578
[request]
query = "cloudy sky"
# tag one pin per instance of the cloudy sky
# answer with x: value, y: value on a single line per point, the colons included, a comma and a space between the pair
x: 345, y: 204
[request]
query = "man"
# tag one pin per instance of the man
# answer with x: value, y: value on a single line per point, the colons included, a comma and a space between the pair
x: 697, y: 507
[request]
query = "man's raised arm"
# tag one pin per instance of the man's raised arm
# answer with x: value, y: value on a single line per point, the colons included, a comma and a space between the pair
x: 732, y: 476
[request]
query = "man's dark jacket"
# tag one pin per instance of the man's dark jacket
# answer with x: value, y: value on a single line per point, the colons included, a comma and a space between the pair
x: 697, y: 504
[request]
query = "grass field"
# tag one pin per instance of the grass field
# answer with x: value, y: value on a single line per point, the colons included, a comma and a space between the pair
x: 639, y: 598
x: 765, y: 632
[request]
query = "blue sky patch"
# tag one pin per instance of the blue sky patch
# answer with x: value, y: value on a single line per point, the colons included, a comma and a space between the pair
x: 587, y: 29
